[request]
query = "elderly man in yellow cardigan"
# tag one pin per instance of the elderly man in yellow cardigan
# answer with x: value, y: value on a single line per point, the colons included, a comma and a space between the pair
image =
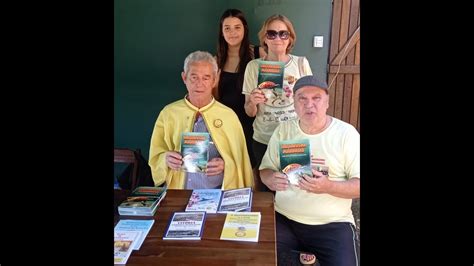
x: 229, y: 164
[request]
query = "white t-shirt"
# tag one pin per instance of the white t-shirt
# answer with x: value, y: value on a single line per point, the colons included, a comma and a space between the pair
x: 271, y: 113
x: 337, y: 147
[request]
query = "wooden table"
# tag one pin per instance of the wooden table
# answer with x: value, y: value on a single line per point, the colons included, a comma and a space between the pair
x: 210, y: 250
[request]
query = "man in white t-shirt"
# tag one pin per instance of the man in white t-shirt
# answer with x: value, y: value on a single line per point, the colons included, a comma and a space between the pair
x: 315, y: 214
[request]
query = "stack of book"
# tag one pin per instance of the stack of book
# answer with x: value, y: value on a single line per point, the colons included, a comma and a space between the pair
x: 143, y: 201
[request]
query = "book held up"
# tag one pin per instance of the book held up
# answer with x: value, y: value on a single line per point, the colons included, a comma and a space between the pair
x: 270, y: 81
x: 195, y: 151
x: 295, y: 159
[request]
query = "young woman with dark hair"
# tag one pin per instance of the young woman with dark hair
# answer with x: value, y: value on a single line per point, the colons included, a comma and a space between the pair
x: 234, y: 51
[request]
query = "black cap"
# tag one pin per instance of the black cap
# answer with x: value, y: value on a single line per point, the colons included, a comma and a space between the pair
x: 310, y: 81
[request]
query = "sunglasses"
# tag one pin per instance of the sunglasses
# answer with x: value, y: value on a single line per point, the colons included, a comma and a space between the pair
x: 272, y: 34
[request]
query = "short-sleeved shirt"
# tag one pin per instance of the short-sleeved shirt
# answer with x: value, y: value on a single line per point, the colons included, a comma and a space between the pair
x: 337, y: 147
x: 271, y: 113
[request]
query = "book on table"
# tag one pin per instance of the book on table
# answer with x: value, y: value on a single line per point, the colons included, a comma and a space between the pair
x: 195, y: 151
x: 123, y: 245
x: 295, y: 159
x: 236, y: 200
x: 143, y: 201
x: 185, y: 226
x: 216, y: 200
x: 204, y: 200
x: 270, y: 81
x: 142, y: 226
x: 241, y: 226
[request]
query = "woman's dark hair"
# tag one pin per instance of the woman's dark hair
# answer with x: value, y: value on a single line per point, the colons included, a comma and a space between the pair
x: 245, y: 54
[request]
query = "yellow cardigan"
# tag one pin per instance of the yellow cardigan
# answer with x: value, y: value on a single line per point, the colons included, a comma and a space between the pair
x: 226, y: 132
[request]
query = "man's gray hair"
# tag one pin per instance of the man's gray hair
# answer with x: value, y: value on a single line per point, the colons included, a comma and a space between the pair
x: 200, y: 56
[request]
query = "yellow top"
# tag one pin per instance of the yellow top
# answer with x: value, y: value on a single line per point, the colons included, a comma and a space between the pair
x: 226, y: 132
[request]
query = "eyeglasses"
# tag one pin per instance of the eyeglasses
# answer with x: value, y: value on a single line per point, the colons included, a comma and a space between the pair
x: 272, y: 34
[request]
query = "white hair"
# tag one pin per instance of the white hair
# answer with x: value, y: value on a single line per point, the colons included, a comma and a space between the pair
x: 200, y: 56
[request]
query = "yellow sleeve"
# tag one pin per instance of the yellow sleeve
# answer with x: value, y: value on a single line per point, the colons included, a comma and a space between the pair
x: 158, y: 148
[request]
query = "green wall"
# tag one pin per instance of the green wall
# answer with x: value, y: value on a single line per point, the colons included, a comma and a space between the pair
x: 152, y: 38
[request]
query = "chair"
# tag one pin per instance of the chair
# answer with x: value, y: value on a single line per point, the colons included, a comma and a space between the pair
x: 258, y: 184
x: 123, y: 155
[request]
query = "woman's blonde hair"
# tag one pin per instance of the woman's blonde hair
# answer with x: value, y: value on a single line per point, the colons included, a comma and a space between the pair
x: 289, y: 25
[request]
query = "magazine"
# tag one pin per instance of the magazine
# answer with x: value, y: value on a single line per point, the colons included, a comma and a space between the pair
x: 270, y: 81
x: 142, y: 226
x: 204, y: 200
x: 185, y: 226
x: 241, y: 226
x: 295, y: 159
x: 216, y: 200
x: 236, y: 200
x: 123, y: 245
x: 195, y: 151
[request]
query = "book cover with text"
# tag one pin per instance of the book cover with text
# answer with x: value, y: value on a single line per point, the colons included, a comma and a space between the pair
x: 142, y: 226
x: 123, y: 245
x: 149, y: 191
x: 241, y: 226
x: 195, y: 151
x: 295, y: 159
x: 204, y: 200
x: 236, y: 200
x: 185, y: 226
x: 270, y: 81
x: 143, y: 201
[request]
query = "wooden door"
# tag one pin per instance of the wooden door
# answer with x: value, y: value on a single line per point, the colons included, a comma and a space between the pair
x: 344, y: 62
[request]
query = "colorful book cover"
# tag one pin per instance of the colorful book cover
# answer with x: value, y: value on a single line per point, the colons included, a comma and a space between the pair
x: 270, y: 81
x: 142, y: 226
x: 149, y: 191
x: 204, y: 200
x: 130, y: 211
x: 195, y: 151
x: 236, y: 200
x: 143, y: 201
x: 295, y: 159
x: 185, y: 226
x: 139, y: 202
x: 123, y: 245
x: 241, y: 226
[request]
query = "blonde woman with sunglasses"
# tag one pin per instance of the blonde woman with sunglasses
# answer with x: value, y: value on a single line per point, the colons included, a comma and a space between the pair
x: 277, y: 36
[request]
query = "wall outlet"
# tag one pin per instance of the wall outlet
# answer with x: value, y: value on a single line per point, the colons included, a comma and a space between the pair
x: 318, y: 41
